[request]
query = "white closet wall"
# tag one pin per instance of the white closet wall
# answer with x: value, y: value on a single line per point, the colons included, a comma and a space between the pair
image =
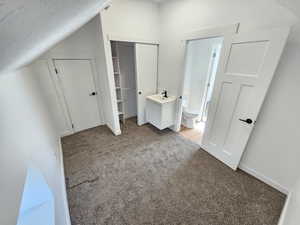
x: 105, y: 81
x: 133, y: 19
x: 139, y: 22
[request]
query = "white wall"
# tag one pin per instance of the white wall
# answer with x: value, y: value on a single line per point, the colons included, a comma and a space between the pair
x: 272, y: 149
x: 27, y: 138
x: 136, y: 19
x: 195, y: 15
x: 290, y: 214
x: 80, y: 44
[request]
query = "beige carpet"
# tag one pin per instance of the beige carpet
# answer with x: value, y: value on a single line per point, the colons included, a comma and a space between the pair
x: 146, y: 176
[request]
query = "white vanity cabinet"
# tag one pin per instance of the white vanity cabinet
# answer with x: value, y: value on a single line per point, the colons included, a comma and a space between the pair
x: 160, y: 111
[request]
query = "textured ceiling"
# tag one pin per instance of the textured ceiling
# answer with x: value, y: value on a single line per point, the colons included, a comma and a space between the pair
x: 293, y: 5
x: 30, y: 27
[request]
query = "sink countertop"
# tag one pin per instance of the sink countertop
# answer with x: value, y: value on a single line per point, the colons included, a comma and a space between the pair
x: 161, y: 100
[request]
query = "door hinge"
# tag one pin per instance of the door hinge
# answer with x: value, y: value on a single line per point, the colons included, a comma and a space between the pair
x: 72, y: 125
x: 56, y: 71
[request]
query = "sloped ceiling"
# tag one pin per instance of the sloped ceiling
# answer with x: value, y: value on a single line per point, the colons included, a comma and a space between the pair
x: 292, y: 5
x: 30, y: 27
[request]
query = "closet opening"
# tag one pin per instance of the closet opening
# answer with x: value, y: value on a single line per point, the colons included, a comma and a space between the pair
x: 135, y: 77
x: 202, y: 59
x: 125, y: 79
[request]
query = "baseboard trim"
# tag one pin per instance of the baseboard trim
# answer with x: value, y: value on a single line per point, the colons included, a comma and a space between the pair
x: 114, y: 131
x: 66, y: 134
x: 285, y: 209
x: 264, y: 179
x: 63, y: 186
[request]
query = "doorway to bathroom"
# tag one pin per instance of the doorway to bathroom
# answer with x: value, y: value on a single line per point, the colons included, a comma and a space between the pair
x: 202, y: 59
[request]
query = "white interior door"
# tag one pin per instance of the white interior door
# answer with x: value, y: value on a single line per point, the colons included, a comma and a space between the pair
x: 77, y: 82
x: 247, y: 64
x: 146, y: 76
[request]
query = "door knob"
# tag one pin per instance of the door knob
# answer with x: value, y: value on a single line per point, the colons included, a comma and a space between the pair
x: 249, y: 121
x: 93, y: 93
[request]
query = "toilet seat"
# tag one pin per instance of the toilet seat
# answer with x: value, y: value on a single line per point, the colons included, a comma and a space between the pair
x: 190, y: 113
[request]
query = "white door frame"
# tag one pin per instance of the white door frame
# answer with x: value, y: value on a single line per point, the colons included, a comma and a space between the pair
x: 205, y: 33
x: 113, y: 37
x: 110, y: 71
x: 60, y: 96
x: 212, y: 62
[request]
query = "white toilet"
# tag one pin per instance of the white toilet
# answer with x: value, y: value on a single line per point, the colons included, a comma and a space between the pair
x: 189, y: 117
